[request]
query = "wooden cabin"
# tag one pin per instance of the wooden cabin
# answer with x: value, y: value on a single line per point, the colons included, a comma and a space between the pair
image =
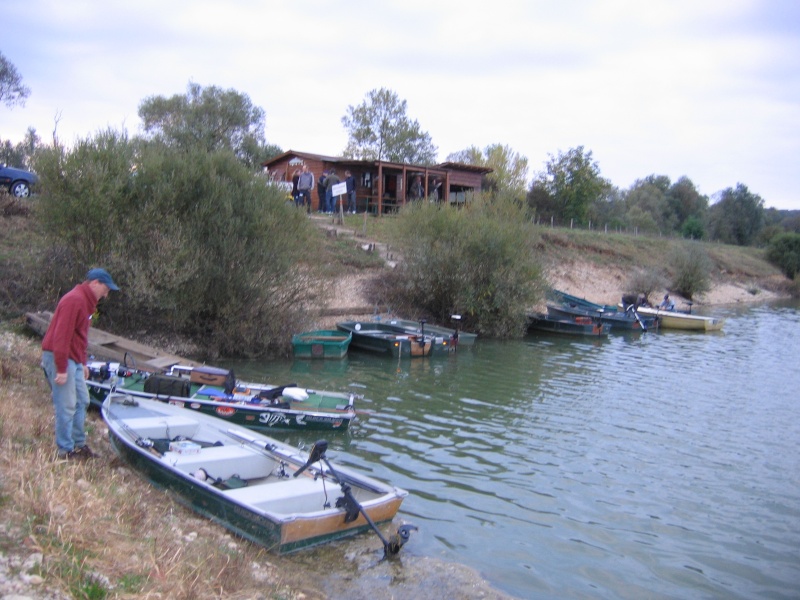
x: 382, y: 186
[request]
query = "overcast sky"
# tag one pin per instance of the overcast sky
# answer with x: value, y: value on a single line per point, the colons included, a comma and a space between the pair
x: 709, y: 89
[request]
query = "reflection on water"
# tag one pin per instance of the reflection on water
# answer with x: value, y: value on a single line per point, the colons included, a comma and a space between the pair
x: 644, y: 465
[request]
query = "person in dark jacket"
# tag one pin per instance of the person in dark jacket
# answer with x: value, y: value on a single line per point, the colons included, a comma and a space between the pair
x: 64, y: 360
x: 321, y: 191
x: 351, y: 191
x: 330, y: 181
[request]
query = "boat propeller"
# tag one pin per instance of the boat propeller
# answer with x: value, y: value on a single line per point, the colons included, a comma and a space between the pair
x: 351, y: 506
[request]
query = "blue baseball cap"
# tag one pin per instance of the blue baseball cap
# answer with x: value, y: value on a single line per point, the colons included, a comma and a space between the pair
x: 102, y: 276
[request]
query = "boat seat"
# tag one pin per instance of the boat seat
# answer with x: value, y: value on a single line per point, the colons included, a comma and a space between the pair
x: 293, y: 495
x: 224, y: 462
x: 163, y: 427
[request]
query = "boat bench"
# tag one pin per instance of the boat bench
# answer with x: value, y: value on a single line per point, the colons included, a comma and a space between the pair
x: 294, y: 495
x: 163, y: 427
x: 224, y: 462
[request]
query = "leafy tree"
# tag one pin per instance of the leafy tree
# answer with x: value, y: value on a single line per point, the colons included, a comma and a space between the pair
x: 379, y: 129
x: 647, y: 204
x: 209, y: 118
x: 12, y: 91
x: 686, y: 203
x: 693, y: 228
x: 738, y: 216
x: 608, y: 211
x: 509, y: 168
x: 641, y: 220
x: 22, y: 154
x: 568, y: 186
x: 784, y: 252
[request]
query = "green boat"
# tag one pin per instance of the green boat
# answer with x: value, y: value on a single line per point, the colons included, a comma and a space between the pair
x: 256, y: 486
x: 586, y: 326
x: 456, y: 336
x: 216, y: 392
x: 620, y: 321
x: 322, y: 343
x: 393, y: 340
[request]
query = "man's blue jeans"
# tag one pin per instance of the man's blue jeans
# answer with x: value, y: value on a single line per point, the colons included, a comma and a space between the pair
x: 70, y: 402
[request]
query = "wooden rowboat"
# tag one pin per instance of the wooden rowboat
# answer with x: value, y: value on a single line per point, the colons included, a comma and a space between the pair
x: 322, y: 343
x: 260, y: 488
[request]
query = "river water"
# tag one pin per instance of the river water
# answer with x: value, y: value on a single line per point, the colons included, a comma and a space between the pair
x: 655, y: 465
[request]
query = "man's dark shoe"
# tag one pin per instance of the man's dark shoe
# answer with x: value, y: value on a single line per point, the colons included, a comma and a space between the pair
x: 84, y: 452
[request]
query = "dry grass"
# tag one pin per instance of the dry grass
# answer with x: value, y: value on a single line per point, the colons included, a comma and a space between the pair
x: 103, y: 531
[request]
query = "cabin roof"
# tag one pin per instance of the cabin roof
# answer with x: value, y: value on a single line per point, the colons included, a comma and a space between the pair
x: 343, y: 160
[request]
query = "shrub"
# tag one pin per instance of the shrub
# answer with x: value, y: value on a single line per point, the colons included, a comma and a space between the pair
x: 199, y: 245
x: 784, y: 252
x: 693, y: 229
x: 692, y: 267
x: 645, y: 282
x: 478, y: 261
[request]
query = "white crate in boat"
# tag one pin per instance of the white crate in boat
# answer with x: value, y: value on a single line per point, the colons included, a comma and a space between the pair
x: 184, y: 447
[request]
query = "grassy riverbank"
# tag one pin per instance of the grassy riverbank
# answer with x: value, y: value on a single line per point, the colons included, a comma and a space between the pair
x: 591, y: 264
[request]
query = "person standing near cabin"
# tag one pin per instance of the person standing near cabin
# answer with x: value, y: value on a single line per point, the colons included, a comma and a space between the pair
x: 351, y: 191
x: 64, y: 357
x: 321, y: 191
x: 330, y: 181
x: 435, y: 190
x: 417, y: 191
x: 295, y: 190
x: 305, y: 184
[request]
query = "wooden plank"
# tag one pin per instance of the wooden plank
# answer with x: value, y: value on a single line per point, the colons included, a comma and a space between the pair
x: 165, y: 362
x: 107, y: 346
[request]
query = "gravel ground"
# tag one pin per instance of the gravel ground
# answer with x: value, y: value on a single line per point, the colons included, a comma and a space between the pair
x: 19, y: 579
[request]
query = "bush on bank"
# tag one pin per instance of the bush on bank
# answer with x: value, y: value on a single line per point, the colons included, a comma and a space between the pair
x: 479, y: 261
x: 200, y: 245
x: 692, y: 270
x: 784, y: 252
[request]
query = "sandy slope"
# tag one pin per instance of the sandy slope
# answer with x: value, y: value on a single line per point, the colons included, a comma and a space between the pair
x: 604, y: 286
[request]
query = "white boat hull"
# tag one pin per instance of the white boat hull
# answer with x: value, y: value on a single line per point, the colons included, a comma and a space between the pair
x: 676, y: 320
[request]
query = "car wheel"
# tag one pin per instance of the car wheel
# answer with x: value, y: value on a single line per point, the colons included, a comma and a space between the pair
x: 20, y: 189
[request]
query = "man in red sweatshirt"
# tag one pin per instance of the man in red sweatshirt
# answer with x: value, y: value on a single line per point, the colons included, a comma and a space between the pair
x: 64, y: 358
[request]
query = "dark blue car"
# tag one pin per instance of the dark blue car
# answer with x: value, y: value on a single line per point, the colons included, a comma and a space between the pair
x: 18, y: 182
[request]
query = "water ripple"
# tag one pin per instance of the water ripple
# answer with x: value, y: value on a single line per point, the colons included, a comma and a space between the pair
x: 661, y: 465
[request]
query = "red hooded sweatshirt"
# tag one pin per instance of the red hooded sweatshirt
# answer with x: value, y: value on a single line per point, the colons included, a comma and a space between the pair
x: 68, y: 334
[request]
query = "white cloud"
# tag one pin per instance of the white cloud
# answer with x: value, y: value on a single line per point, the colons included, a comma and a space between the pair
x: 710, y: 90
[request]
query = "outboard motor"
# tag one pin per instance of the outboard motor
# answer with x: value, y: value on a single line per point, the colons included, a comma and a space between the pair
x: 630, y: 300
